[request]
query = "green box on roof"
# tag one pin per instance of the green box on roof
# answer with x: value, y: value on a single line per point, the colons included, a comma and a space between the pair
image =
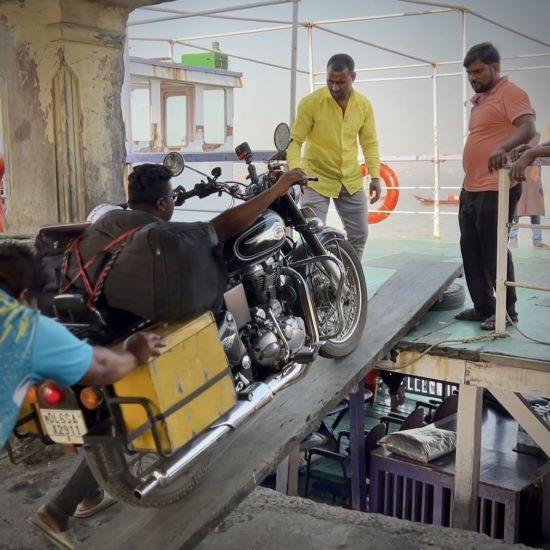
x: 212, y: 60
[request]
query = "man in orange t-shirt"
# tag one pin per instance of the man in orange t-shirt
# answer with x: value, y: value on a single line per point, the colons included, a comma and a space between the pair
x: 501, y: 119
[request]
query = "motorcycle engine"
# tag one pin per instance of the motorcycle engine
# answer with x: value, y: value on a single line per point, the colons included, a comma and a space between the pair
x: 274, y: 336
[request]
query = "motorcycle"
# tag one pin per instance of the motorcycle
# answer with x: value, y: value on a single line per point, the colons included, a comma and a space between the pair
x: 296, y: 290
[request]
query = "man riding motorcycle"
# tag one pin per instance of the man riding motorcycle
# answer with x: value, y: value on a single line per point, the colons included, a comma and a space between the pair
x: 150, y: 199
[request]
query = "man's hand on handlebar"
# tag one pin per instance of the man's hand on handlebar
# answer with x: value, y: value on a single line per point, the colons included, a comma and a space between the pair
x: 288, y: 179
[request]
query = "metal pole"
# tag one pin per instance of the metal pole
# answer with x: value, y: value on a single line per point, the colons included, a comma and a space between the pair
x: 357, y: 448
x: 231, y: 17
x: 502, y: 249
x: 234, y: 33
x: 293, y: 60
x: 172, y: 50
x: 366, y: 43
x: 436, y: 155
x: 310, y: 56
x: 209, y: 12
x: 464, y: 79
x: 378, y: 17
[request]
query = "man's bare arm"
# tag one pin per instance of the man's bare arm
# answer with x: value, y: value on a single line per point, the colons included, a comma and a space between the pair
x: 237, y: 219
x: 109, y: 366
x: 525, y: 131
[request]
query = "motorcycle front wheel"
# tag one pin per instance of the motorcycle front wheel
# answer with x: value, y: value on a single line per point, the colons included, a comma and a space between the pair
x: 353, y: 301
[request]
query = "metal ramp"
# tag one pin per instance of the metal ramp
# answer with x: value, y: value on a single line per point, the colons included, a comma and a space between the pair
x: 245, y: 457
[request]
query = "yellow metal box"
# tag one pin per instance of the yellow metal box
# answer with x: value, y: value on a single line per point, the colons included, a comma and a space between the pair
x: 189, y: 385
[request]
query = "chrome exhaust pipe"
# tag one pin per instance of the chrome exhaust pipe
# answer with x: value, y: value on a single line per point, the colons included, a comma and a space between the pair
x: 258, y: 397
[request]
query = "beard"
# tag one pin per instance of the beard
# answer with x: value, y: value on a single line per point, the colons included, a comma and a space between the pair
x: 480, y: 88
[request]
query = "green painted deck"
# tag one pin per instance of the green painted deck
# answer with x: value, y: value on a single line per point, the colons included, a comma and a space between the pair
x: 532, y: 266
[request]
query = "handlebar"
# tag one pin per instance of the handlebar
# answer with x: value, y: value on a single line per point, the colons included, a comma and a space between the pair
x: 205, y: 189
x: 212, y: 186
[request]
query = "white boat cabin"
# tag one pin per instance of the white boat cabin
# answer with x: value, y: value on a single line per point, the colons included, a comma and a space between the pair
x: 175, y: 107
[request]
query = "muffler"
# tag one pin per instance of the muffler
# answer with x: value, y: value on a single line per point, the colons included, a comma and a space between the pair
x: 261, y: 393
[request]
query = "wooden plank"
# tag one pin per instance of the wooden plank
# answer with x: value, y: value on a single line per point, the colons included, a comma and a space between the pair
x: 496, y: 376
x: 500, y: 372
x: 516, y: 362
x: 468, y: 449
x: 357, y: 448
x: 436, y: 367
x: 287, y: 473
x: 526, y: 417
x: 253, y: 451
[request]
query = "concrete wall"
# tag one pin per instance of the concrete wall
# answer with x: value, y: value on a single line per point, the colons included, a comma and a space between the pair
x: 60, y: 85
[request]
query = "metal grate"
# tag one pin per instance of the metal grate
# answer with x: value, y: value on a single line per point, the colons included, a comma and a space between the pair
x: 426, y: 496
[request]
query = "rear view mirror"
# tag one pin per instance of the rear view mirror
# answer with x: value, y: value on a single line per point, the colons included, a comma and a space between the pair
x: 174, y: 162
x: 281, y: 137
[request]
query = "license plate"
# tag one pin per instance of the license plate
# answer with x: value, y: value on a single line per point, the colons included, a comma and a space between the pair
x: 64, y: 426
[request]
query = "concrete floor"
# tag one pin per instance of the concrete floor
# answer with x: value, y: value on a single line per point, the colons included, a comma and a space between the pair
x: 266, y: 520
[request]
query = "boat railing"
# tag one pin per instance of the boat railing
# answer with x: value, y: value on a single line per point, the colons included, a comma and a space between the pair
x: 265, y: 155
x: 502, y: 246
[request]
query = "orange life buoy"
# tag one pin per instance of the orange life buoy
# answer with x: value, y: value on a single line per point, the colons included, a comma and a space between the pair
x: 392, y: 195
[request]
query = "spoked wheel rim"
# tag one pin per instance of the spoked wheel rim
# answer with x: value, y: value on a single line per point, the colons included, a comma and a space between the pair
x: 325, y: 296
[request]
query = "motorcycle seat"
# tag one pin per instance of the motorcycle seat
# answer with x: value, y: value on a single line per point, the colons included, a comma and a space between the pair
x: 101, y: 324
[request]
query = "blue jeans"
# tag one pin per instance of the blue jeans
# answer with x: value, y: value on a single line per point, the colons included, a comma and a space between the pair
x: 537, y: 233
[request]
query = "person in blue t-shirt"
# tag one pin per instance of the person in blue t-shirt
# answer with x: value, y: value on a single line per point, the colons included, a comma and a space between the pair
x: 35, y: 348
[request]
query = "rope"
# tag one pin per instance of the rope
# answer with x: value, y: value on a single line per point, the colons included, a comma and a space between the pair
x: 543, y: 342
x: 485, y: 337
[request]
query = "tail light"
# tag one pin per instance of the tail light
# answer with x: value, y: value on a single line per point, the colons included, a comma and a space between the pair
x: 50, y: 394
x: 91, y: 397
x: 32, y: 395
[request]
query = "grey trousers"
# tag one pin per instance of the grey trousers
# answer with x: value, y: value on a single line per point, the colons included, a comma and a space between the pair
x: 352, y: 209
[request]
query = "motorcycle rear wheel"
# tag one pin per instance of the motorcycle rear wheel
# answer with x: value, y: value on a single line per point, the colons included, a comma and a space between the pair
x: 354, y: 303
x: 118, y: 473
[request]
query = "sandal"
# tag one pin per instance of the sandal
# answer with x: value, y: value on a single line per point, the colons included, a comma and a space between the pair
x: 83, y: 511
x: 62, y: 539
x: 490, y: 322
x: 471, y: 314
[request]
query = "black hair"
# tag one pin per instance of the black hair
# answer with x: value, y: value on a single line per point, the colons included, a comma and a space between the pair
x: 341, y: 62
x: 485, y: 52
x: 20, y: 269
x: 147, y: 183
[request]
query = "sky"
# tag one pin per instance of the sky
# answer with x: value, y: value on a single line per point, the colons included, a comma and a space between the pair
x: 403, y: 108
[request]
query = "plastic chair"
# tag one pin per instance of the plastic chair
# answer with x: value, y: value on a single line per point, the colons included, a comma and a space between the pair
x: 339, y: 480
x: 414, y: 420
x: 447, y: 408
x: 437, y: 410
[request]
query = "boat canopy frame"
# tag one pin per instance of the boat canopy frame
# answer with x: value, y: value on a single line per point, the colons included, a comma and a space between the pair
x: 432, y: 7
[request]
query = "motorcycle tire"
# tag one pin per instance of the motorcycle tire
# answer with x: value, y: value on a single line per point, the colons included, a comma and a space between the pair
x: 110, y: 467
x: 355, y: 278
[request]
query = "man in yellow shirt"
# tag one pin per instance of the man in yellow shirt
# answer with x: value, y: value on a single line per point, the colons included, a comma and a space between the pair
x: 330, y: 121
